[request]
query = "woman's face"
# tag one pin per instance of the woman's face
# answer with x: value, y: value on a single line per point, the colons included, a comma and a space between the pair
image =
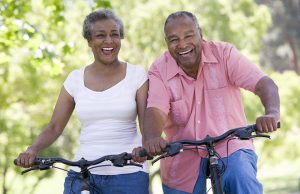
x: 105, y: 41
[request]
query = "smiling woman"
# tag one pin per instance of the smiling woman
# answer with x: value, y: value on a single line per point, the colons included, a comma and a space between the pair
x: 108, y: 122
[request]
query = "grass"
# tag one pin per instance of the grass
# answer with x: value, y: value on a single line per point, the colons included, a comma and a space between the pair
x: 282, y: 178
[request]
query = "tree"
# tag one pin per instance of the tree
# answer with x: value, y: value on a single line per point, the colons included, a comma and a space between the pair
x: 281, y: 47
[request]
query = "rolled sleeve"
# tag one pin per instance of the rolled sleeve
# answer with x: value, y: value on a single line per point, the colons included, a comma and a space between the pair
x: 158, y: 96
x: 241, y: 71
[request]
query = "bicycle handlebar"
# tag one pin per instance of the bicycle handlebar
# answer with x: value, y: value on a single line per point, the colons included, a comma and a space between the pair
x: 243, y: 133
x: 118, y: 160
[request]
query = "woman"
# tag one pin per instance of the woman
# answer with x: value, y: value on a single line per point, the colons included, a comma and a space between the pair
x: 107, y: 96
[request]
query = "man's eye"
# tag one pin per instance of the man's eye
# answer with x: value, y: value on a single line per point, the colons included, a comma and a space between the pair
x: 189, y: 36
x: 173, y: 40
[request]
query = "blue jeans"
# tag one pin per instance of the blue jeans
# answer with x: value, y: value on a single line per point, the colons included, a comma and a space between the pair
x: 238, y: 178
x: 133, y: 183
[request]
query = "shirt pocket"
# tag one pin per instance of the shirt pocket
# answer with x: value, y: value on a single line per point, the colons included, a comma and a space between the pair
x: 179, y: 112
x: 214, y: 76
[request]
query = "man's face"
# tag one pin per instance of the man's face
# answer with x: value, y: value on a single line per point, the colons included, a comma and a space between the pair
x: 183, y: 38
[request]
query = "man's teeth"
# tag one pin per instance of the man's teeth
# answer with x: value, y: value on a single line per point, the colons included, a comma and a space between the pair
x: 107, y: 49
x: 185, y: 52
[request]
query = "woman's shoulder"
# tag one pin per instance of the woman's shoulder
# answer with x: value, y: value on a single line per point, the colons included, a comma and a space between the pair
x: 78, y: 70
x: 75, y: 73
x: 132, y: 68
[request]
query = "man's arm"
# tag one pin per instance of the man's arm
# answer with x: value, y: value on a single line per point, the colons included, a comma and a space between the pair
x: 155, y: 120
x: 267, y: 91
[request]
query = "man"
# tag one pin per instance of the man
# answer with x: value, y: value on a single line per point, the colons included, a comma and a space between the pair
x: 194, y: 92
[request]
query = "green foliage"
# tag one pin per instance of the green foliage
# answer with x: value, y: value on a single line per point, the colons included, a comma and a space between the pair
x: 241, y: 22
x: 40, y: 43
x: 284, y: 142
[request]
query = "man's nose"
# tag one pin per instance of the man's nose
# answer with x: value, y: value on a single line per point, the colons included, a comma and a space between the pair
x: 182, y: 43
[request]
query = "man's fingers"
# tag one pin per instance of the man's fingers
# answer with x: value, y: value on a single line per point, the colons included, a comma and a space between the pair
x: 136, y: 157
x: 266, y: 124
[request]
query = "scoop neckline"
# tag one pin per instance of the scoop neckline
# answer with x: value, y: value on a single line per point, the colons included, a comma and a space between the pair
x: 108, y: 89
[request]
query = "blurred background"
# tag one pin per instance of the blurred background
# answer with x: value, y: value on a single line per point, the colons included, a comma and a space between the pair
x: 41, y: 42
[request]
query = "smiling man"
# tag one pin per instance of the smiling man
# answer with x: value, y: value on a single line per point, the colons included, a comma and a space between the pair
x: 194, y: 91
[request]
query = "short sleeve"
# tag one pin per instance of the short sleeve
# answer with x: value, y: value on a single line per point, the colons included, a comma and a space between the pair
x: 242, y: 72
x: 70, y: 84
x: 158, y: 96
x: 141, y: 76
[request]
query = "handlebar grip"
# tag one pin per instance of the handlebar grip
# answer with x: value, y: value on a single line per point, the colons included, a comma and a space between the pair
x: 144, y: 153
x: 278, y: 125
x: 255, y: 127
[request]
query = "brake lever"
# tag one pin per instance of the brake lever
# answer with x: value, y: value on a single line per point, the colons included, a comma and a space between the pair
x: 29, y: 169
x: 261, y: 135
x: 159, y: 157
x: 130, y: 163
x: 245, y: 135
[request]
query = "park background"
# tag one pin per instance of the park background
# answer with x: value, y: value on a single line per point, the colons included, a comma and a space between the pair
x: 41, y: 42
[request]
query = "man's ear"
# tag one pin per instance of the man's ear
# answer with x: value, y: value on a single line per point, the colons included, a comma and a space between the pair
x: 200, y: 32
x: 89, y: 43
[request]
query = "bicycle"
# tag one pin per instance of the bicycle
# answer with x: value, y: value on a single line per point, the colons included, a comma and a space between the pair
x: 215, y: 174
x: 119, y: 160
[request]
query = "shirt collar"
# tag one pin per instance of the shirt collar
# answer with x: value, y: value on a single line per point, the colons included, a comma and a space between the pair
x: 172, y: 67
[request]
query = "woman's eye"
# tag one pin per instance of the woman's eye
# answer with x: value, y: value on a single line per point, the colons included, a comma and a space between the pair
x: 100, y: 35
x: 116, y: 35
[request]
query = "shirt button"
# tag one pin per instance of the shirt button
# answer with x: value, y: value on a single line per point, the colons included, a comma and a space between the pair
x: 198, y: 102
x: 198, y: 121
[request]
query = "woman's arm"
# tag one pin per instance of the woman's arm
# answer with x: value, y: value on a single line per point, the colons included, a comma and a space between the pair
x: 63, y: 110
x: 141, y: 100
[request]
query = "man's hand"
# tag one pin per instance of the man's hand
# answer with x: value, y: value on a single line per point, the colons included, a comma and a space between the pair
x: 267, y: 123
x: 155, y: 146
x: 136, y: 156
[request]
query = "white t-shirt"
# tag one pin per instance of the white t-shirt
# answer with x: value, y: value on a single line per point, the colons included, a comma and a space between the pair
x: 108, y: 118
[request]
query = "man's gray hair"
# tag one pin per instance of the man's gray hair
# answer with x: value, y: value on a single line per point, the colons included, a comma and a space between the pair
x: 180, y: 14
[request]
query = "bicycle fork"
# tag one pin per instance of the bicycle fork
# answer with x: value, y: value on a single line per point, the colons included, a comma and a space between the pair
x: 85, y: 187
x: 215, y: 175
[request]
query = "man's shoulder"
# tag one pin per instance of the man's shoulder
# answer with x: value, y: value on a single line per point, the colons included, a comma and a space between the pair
x: 161, y: 62
x: 217, y: 44
x: 162, y: 59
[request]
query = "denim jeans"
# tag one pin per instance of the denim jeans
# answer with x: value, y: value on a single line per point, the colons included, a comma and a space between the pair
x: 132, y: 183
x: 238, y: 178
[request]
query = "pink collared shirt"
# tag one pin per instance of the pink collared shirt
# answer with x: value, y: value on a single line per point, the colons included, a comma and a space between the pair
x: 208, y: 105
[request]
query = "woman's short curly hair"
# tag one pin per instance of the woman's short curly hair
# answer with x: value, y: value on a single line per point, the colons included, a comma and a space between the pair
x: 103, y: 14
